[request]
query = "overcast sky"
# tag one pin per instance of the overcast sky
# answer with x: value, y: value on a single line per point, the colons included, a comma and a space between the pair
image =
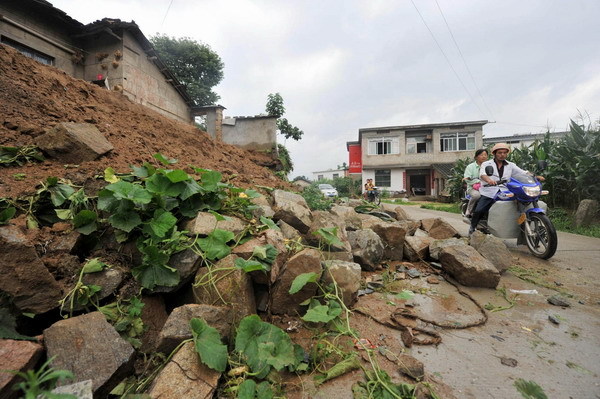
x: 345, y: 65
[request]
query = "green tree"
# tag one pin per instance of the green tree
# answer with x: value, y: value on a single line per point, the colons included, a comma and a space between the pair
x: 275, y: 108
x: 285, y: 158
x: 194, y: 64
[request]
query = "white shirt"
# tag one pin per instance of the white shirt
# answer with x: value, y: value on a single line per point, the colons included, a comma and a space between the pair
x: 510, y: 169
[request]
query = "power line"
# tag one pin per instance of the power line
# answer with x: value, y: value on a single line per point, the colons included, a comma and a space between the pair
x: 166, y: 13
x: 464, y: 61
x: 447, y: 59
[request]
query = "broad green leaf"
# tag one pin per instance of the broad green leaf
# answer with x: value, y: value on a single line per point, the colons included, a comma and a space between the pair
x: 247, y: 390
x: 64, y: 214
x: 51, y: 181
x: 164, y: 160
x: 177, y: 175
x: 125, y: 221
x: 210, y: 180
x: 214, y: 245
x: 329, y: 235
x: 266, y: 253
x: 7, y: 214
x: 8, y: 327
x: 159, y: 184
x: 218, y: 216
x: 252, y: 193
x: 94, y: 265
x: 139, y: 171
x: 59, y: 193
x: 264, y: 391
x: 162, y: 222
x: 301, y: 280
x: 323, y: 313
x: 130, y: 191
x: 190, y: 187
x: 250, y: 265
x: 530, y: 389
x: 110, y: 175
x: 341, y: 368
x: 251, y: 333
x: 208, y: 344
x: 85, y: 221
x: 269, y: 223
x: 154, y: 269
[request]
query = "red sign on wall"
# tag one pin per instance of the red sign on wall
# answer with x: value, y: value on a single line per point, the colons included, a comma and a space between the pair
x: 355, y: 158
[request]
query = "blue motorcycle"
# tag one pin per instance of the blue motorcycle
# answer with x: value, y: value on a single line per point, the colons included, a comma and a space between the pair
x: 519, y: 213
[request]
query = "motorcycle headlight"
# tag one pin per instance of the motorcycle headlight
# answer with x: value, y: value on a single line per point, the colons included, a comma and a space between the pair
x: 532, y: 191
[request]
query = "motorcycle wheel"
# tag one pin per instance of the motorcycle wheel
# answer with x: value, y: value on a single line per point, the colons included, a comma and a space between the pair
x: 543, y: 240
x: 377, y: 199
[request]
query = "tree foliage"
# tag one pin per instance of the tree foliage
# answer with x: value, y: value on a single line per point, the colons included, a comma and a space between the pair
x: 194, y: 64
x: 275, y: 108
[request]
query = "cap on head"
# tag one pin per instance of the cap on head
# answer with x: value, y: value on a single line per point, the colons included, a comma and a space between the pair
x: 500, y: 146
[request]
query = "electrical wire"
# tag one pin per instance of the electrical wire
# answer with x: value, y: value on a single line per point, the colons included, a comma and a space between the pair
x: 464, y: 61
x: 166, y: 13
x: 447, y: 59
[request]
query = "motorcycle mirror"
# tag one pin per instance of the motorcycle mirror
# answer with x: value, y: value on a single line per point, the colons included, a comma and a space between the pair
x: 542, y: 164
x: 489, y: 170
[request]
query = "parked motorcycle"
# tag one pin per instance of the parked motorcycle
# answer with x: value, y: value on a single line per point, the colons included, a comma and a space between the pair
x: 519, y: 213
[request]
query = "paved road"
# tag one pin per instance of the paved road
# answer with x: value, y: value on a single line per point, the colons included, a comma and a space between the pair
x: 563, y: 359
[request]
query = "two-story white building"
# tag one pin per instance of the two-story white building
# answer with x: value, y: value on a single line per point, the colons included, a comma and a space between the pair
x: 413, y: 158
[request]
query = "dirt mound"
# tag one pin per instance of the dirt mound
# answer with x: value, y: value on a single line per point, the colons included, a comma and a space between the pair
x: 35, y: 97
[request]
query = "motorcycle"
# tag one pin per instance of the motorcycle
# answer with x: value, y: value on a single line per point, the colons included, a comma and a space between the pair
x: 374, y: 196
x: 519, y: 213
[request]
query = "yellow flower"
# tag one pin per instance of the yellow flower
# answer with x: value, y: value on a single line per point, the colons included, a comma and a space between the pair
x: 243, y: 195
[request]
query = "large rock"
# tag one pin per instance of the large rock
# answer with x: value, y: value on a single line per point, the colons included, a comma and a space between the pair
x: 81, y: 389
x: 347, y: 277
x: 154, y: 316
x: 439, y: 228
x: 289, y: 233
x: 19, y: 356
x: 24, y: 277
x: 322, y: 219
x: 493, y: 249
x: 91, y: 349
x: 185, y: 377
x: 409, y: 225
x: 205, y: 223
x: 186, y: 263
x: 416, y: 248
x: 348, y: 215
x: 292, y: 209
x: 392, y: 235
x: 225, y: 285
x: 74, y: 142
x: 436, y: 246
x: 367, y: 248
x: 306, y: 261
x: 587, y: 212
x: 177, y: 327
x: 469, y: 267
x: 263, y: 207
x: 109, y: 279
x: 274, y: 238
x: 345, y: 256
x: 368, y: 220
x: 397, y: 212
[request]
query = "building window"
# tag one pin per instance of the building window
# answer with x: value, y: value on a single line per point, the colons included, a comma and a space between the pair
x: 384, y: 146
x: 336, y: 175
x: 418, y: 145
x: 457, y: 141
x: 319, y: 177
x: 29, y: 52
x: 383, y: 178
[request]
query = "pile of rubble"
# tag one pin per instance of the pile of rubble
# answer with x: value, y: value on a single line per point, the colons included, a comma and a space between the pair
x: 35, y: 270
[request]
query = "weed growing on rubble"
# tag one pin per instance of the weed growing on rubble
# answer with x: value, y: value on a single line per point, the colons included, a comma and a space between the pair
x: 126, y: 317
x: 39, y: 383
x: 10, y: 156
x: 82, y: 295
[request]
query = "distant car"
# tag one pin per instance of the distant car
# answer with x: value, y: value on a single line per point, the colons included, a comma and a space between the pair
x: 328, y: 190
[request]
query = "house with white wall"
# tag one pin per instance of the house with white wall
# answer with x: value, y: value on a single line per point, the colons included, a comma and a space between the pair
x: 522, y: 139
x: 328, y: 174
x: 413, y: 158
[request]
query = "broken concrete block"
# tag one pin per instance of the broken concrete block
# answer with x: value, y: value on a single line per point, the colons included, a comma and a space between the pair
x: 90, y: 348
x: 19, y: 356
x: 177, y: 326
x: 347, y: 277
x: 231, y: 287
x: 367, y: 248
x: 392, y: 234
x: 292, y: 209
x: 74, y: 142
x: 81, y: 390
x: 24, y: 277
x: 204, y: 224
x: 416, y: 248
x: 469, y: 267
x: 493, y: 249
x: 186, y: 263
x: 305, y: 261
x: 439, y: 228
x: 185, y: 377
x: 436, y: 246
x: 322, y: 219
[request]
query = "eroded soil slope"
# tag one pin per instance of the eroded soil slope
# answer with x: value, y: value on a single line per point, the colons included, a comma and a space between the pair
x: 35, y: 97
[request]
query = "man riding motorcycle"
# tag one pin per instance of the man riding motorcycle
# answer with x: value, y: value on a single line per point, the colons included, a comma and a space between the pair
x: 503, y: 170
